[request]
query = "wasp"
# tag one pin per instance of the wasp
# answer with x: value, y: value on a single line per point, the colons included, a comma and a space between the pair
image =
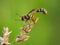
x: 30, y: 15
x: 21, y: 38
x: 4, y: 39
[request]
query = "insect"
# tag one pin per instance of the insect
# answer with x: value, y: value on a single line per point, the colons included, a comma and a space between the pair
x: 4, y: 39
x: 21, y: 38
x: 30, y: 15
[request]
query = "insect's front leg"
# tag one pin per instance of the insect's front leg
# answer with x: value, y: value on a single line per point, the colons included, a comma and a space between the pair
x: 35, y: 20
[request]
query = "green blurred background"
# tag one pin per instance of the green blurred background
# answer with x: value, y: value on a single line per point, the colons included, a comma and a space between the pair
x: 45, y: 32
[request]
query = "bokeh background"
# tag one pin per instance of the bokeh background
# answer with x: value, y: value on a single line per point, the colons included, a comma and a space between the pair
x: 45, y: 32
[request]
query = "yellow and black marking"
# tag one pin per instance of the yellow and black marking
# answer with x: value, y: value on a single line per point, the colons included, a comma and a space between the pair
x: 30, y: 15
